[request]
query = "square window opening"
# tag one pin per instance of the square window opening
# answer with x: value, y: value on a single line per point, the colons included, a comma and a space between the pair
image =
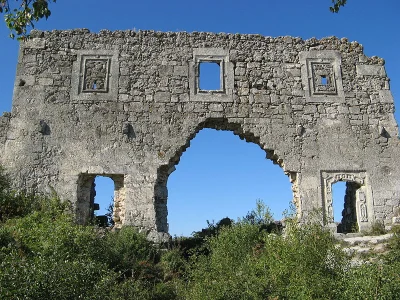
x: 209, y: 77
x: 324, y: 80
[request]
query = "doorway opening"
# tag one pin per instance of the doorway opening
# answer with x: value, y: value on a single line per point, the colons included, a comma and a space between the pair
x: 344, y: 196
x: 103, y: 202
x: 100, y: 199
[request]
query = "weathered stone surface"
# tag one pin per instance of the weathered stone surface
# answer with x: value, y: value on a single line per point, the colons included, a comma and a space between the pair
x: 126, y: 104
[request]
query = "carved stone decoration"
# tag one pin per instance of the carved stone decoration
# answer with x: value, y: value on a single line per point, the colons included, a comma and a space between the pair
x: 363, y: 207
x: 363, y: 210
x: 95, y: 76
x: 323, y: 78
x: 321, y: 75
x: 357, y: 196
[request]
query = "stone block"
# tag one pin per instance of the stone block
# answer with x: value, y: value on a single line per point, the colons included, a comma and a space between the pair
x: 45, y: 81
x: 370, y: 70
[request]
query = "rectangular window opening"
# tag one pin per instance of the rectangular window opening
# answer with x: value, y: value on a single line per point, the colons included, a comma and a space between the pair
x: 209, y: 76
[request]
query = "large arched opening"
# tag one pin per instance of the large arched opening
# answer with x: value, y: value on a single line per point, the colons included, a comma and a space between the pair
x: 217, y: 175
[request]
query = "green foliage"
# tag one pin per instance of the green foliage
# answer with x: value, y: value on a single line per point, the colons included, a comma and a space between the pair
x: 394, y: 246
x: 51, y: 278
x: 303, y: 264
x: 372, y: 281
x: 173, y: 264
x: 245, y: 263
x: 137, y: 290
x: 261, y: 215
x: 22, y: 15
x: 128, y: 252
x: 226, y: 273
x: 195, y: 245
x: 45, y: 254
x: 337, y: 4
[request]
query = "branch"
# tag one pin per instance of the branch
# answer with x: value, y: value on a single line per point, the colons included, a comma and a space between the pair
x: 336, y: 5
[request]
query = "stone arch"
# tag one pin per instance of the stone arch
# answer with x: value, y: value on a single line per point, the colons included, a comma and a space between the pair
x: 358, y: 206
x: 163, y: 172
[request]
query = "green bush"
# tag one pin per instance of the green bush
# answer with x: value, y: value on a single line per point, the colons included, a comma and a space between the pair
x: 372, y: 281
x: 226, y: 273
x: 245, y: 263
x: 127, y: 251
x: 45, y: 254
x: 303, y: 264
x: 50, y: 278
x: 173, y: 264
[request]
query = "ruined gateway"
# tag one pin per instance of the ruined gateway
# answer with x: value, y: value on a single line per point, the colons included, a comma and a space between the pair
x: 126, y: 104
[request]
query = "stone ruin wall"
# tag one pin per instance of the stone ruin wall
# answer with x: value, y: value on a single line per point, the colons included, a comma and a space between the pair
x: 126, y: 104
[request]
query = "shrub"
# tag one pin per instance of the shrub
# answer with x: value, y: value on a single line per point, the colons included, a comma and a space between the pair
x: 173, y: 264
x: 50, y: 278
x: 303, y: 264
x: 127, y: 251
x: 245, y: 263
x: 226, y: 273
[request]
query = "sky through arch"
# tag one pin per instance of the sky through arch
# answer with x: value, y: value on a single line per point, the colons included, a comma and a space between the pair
x: 219, y: 176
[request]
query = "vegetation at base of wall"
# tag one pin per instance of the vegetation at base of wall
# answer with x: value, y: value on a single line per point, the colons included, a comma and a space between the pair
x: 44, y: 254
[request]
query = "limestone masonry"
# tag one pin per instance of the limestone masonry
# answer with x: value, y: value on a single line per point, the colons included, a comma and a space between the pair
x: 126, y: 104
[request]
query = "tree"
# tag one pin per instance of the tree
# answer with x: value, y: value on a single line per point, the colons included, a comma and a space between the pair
x: 23, y: 14
x: 336, y: 5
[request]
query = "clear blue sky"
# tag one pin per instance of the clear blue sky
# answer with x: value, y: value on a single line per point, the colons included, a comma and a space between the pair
x: 221, y: 175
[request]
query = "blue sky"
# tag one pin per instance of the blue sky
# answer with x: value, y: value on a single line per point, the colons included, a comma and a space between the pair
x: 221, y: 175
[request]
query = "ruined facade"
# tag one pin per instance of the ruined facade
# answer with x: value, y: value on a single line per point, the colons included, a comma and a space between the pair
x: 126, y: 104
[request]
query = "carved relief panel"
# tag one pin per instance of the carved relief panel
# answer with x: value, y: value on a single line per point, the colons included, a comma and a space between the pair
x: 323, y: 78
x: 321, y: 75
x: 95, y: 75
